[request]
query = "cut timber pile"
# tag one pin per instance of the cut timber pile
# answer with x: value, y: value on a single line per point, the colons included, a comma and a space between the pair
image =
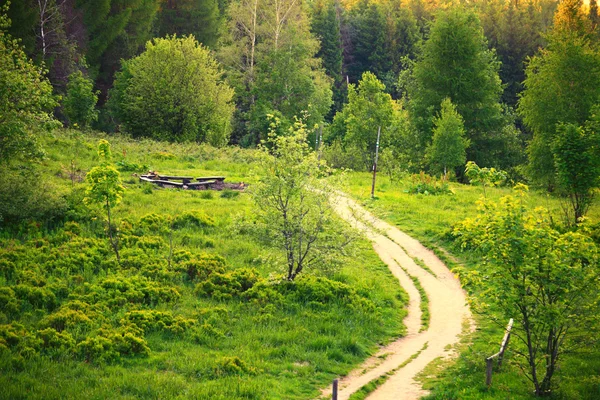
x: 191, y: 183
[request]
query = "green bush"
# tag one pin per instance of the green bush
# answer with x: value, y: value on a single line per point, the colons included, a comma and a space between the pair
x: 196, y: 219
x: 232, y: 366
x: 109, y: 345
x: 56, y: 342
x: 151, y: 320
x: 223, y: 286
x: 199, y: 269
x: 173, y: 91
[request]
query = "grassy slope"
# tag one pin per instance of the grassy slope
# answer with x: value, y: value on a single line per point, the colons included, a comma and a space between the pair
x: 430, y: 219
x: 289, y: 349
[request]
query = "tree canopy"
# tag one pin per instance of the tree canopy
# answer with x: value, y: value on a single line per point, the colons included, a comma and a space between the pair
x: 174, y: 91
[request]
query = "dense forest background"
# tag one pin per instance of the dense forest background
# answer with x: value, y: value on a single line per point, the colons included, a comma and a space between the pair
x: 511, y: 71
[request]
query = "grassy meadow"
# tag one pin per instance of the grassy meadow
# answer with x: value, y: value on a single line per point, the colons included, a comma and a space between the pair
x: 195, y: 309
x: 430, y: 219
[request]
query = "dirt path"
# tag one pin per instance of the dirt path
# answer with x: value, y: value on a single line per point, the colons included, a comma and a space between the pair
x: 447, y: 307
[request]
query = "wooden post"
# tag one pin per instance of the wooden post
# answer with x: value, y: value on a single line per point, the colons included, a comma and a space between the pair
x: 334, y: 393
x: 500, y: 354
x: 375, y: 163
x: 488, y: 371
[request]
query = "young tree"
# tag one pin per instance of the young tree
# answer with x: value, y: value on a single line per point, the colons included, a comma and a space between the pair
x: 105, y: 189
x: 26, y: 100
x: 456, y: 63
x: 294, y: 212
x: 448, y: 148
x: 546, y: 280
x: 577, y: 162
x: 368, y: 108
x: 562, y: 86
x: 80, y: 102
x: 174, y: 91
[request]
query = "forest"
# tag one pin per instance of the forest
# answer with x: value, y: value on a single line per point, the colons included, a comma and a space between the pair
x: 481, y: 119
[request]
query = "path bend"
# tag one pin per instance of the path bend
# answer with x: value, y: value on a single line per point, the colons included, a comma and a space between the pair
x: 447, y: 307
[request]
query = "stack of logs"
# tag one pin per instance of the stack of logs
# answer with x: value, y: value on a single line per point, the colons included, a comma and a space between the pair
x: 188, y: 182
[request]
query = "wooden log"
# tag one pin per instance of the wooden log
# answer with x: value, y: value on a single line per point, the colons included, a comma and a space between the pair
x: 178, y: 178
x: 500, y: 354
x: 505, y: 341
x: 160, y: 182
x: 205, y: 183
x: 211, y: 178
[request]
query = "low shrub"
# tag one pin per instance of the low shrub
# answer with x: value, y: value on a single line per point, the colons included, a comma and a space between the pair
x: 223, y: 286
x: 151, y: 320
x: 428, y: 185
x: 196, y: 219
x: 108, y: 345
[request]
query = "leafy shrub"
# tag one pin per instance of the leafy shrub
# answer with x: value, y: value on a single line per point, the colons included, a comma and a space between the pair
x: 206, y: 194
x: 199, y: 269
x: 126, y: 166
x: 232, y: 366
x: 223, y: 286
x: 66, y: 318
x: 315, y: 290
x: 19, y: 340
x: 110, y: 344
x: 21, y: 201
x: 152, y: 223
x: 151, y: 320
x: 9, y: 303
x: 197, y: 219
x: 39, y: 298
x: 428, y: 185
x: 56, y: 342
x: 117, y: 290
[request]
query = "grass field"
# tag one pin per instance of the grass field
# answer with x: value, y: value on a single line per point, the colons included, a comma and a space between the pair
x: 430, y: 219
x: 197, y: 311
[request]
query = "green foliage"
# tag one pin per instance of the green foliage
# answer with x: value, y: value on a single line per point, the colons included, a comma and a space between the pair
x: 577, y: 162
x: 544, y: 279
x: 484, y: 176
x: 174, y: 91
x: 26, y: 100
x: 425, y: 184
x: 109, y: 345
x: 369, y: 108
x: 447, y: 150
x: 80, y: 102
x: 269, y: 53
x: 562, y: 86
x: 196, y: 219
x: 199, y: 18
x: 293, y: 210
x: 456, y: 64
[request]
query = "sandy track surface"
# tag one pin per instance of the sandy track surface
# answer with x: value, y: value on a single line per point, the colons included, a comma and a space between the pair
x: 447, y: 307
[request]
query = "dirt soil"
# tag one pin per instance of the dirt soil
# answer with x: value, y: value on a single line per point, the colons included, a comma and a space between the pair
x: 447, y: 306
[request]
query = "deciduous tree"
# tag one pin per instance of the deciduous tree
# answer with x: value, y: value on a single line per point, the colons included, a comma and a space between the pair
x: 174, y: 91
x: 546, y: 280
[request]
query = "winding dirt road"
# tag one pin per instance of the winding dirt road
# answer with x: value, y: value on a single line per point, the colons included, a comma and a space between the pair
x: 448, y: 309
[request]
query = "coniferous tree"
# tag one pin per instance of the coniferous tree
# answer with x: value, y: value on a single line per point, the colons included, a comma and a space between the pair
x: 448, y: 147
x: 325, y: 25
x: 456, y: 63
x: 200, y: 18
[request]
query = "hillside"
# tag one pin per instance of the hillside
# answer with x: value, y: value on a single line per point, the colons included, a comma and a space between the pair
x: 196, y: 307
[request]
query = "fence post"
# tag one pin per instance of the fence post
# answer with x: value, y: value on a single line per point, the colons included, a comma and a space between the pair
x: 488, y: 371
x: 334, y: 393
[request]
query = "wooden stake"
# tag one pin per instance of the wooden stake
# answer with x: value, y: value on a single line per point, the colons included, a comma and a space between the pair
x: 334, y: 393
x: 375, y: 163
